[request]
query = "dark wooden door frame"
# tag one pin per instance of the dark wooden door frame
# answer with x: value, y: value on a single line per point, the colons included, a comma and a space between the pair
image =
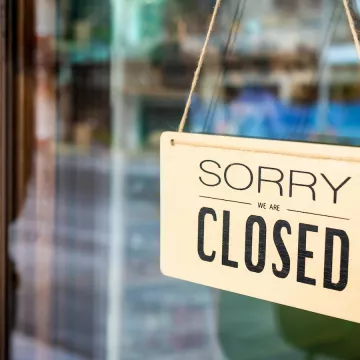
x: 3, y: 240
x: 17, y: 87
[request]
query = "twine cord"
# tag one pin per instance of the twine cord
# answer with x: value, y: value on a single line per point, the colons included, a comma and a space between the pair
x: 199, y: 66
x: 352, y: 26
x: 354, y: 33
x: 234, y: 31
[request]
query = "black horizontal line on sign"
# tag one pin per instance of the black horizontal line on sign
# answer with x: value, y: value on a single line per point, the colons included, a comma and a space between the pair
x: 213, y: 198
x: 309, y: 213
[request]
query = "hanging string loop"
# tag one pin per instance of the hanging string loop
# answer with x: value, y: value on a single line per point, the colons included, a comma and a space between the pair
x: 351, y: 21
x: 182, y: 124
x: 199, y: 66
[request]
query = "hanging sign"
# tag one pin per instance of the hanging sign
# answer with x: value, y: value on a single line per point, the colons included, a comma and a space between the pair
x: 274, y: 220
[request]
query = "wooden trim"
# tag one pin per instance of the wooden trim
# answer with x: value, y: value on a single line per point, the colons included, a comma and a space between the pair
x: 23, y: 105
x: 3, y: 343
x: 17, y: 45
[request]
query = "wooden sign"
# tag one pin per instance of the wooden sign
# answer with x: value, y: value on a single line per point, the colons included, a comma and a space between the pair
x: 274, y: 220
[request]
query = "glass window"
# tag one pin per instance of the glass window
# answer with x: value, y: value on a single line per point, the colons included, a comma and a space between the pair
x: 97, y: 85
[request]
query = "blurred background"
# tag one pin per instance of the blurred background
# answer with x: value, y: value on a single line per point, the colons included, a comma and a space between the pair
x: 98, y: 83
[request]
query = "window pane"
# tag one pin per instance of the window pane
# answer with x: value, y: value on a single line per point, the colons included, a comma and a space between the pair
x: 110, y: 77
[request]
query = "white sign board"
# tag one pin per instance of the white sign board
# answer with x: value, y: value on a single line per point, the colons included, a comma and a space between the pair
x: 274, y: 220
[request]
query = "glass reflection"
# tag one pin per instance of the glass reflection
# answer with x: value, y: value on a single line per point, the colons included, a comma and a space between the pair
x: 110, y: 77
